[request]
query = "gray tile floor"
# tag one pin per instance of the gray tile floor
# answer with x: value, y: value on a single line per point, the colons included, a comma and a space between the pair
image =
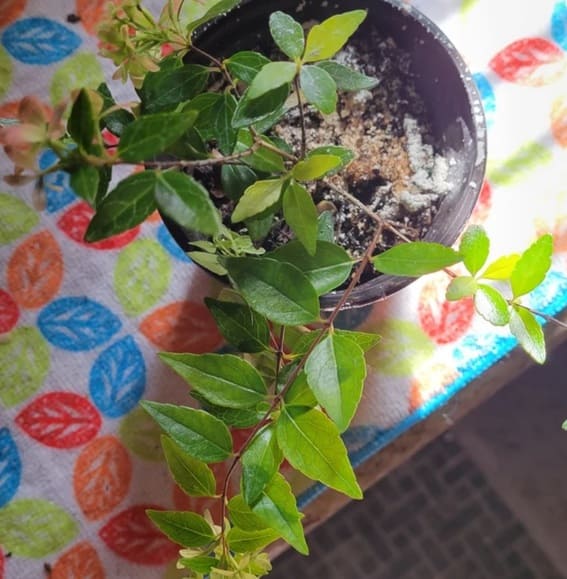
x: 438, y: 516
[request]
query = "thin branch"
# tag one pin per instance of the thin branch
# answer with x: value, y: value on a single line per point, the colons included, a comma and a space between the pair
x: 301, y: 115
x: 270, y: 147
x: 546, y: 317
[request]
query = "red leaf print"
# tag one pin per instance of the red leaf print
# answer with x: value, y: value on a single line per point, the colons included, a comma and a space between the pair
x: 132, y: 535
x: 60, y: 420
x: 1, y: 565
x: 80, y: 562
x: 9, y: 312
x: 102, y: 477
x: 35, y: 270
x: 483, y: 205
x: 559, y: 121
x: 530, y: 62
x: 74, y: 224
x: 182, y: 327
x: 441, y: 320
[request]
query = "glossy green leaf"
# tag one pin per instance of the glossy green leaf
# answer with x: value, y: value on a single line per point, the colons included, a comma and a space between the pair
x: 117, y: 120
x: 187, y: 202
x: 162, y: 91
x: 300, y: 214
x: 272, y: 76
x: 241, y: 541
x: 126, y: 206
x: 204, y: 105
x: 235, y: 179
x: 208, y: 261
x: 199, y: 434
x: 474, y: 248
x: 279, y: 291
x: 346, y: 78
x: 335, y: 371
x: 185, y: 528
x: 327, y: 269
x: 264, y: 110
x: 364, y: 340
x: 514, y: 169
x: 17, y: 218
x: 326, y: 39
x: 151, y: 135
x: 344, y: 154
x: 222, y: 379
x: 235, y: 417
x: 222, y: 113
x: 312, y: 444
x: 85, y: 181
x: 415, y: 259
x: 200, y: 564
x: 461, y: 287
x: 326, y: 227
x: 263, y: 159
x: 315, y: 167
x: 287, y: 34
x: 260, y: 462
x: 526, y: 329
x: 258, y: 197
x: 319, y: 88
x: 278, y: 509
x: 532, y: 267
x: 104, y: 178
x: 240, y: 325
x: 260, y: 225
x: 193, y: 476
x: 245, y: 65
x: 242, y: 516
x: 199, y: 13
x: 299, y: 393
x: 491, y: 305
x: 501, y: 268
x: 83, y: 125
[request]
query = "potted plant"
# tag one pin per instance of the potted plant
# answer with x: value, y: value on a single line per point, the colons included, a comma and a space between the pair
x: 267, y: 223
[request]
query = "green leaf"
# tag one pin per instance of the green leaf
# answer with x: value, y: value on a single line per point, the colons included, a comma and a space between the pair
x: 240, y: 325
x: 335, y: 371
x: 163, y: 91
x: 208, y: 261
x: 185, y: 528
x: 151, y: 135
x: 278, y: 509
x: 301, y: 215
x: 327, y: 269
x: 260, y: 462
x: 222, y: 113
x: 287, y: 34
x: 236, y: 417
x: 222, y: 379
x: 85, y: 182
x: 532, y: 267
x: 344, y: 154
x: 235, y: 179
x: 200, y: 564
x: 245, y: 65
x: 319, y: 88
x: 241, y: 541
x: 525, y: 328
x: 299, y: 393
x: 258, y: 197
x: 104, y: 178
x: 83, y: 125
x: 126, y: 206
x: 326, y: 39
x: 315, y: 167
x: 263, y: 111
x: 461, y: 287
x: 242, y: 516
x: 197, y: 433
x: 193, y: 476
x: 514, y: 169
x: 117, y: 120
x: 17, y: 218
x: 474, y: 248
x: 279, y: 291
x: 346, y: 78
x: 272, y: 76
x: 259, y: 226
x: 326, y: 227
x: 491, y: 305
x: 365, y: 340
x: 415, y: 259
x: 502, y: 268
x: 199, y: 13
x: 263, y: 160
x: 187, y: 202
x: 311, y: 443
x: 35, y: 528
x: 204, y: 105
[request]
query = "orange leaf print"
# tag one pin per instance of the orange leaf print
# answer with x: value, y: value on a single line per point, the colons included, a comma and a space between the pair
x: 35, y: 270
x: 9, y: 110
x: 91, y: 13
x: 102, y: 477
x: 559, y: 121
x: 10, y: 10
x: 80, y: 562
x: 432, y: 381
x: 182, y: 327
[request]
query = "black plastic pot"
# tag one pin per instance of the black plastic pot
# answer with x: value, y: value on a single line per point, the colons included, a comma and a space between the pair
x: 453, y: 104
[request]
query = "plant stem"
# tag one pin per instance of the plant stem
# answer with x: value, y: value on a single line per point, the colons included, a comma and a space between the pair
x: 546, y: 317
x: 222, y: 160
x: 270, y: 147
x: 301, y: 115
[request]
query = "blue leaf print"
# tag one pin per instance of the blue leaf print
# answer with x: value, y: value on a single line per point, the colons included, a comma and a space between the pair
x: 170, y: 245
x: 559, y: 24
x: 77, y: 324
x: 56, y: 185
x: 488, y: 97
x: 118, y: 378
x: 39, y: 41
x: 10, y: 467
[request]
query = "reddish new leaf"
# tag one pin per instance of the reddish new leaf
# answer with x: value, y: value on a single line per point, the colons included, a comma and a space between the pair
x: 9, y: 313
x: 530, y: 62
x: 60, y: 420
x: 74, y: 224
x: 131, y: 535
x: 80, y: 562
